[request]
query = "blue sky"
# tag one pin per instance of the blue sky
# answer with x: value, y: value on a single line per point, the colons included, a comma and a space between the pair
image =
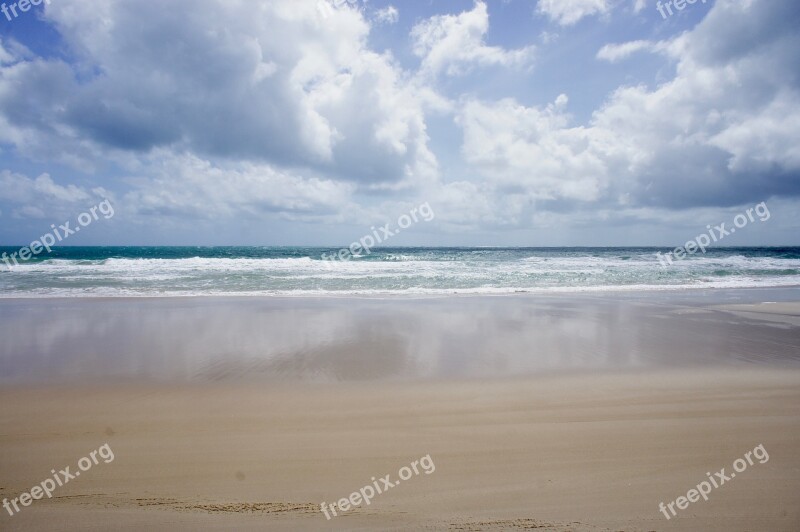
x: 288, y: 122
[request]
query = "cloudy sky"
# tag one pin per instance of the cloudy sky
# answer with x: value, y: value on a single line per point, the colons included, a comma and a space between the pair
x: 304, y: 122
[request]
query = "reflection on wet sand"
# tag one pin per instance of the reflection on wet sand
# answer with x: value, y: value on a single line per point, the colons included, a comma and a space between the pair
x: 202, y: 339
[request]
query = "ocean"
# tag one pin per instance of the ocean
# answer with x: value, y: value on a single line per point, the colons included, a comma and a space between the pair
x: 303, y: 271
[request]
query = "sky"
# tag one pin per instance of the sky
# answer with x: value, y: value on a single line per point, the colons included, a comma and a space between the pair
x: 307, y: 122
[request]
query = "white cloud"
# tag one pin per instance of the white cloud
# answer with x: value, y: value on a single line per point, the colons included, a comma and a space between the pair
x: 464, y: 205
x: 454, y: 44
x: 617, y: 52
x: 387, y: 15
x: 723, y: 131
x: 547, y: 37
x: 33, y: 197
x: 270, y: 81
x: 193, y: 187
x: 568, y: 12
x: 270, y: 110
x: 532, y: 150
x: 19, y: 188
x: 5, y: 56
x: 760, y: 141
x: 45, y: 185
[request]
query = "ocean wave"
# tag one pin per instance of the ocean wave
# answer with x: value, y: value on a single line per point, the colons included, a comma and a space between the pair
x: 102, y: 292
x: 423, y: 272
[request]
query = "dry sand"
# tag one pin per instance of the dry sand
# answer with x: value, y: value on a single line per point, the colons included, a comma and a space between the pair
x: 558, y: 452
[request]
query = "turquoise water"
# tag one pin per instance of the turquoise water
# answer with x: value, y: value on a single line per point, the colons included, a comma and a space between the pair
x: 184, y: 271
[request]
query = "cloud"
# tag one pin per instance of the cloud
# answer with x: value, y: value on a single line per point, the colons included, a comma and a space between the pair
x: 454, y: 44
x: 267, y: 109
x: 5, y: 56
x: 192, y: 187
x: 568, y: 12
x: 269, y: 81
x: 617, y: 52
x: 33, y: 197
x: 387, y: 15
x: 532, y: 150
x: 722, y: 132
x: 19, y: 188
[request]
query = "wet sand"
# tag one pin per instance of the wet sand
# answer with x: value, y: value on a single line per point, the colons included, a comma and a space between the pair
x: 573, y: 413
x: 348, y: 339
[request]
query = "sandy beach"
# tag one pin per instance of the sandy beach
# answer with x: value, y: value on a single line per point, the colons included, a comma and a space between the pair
x: 570, y: 453
x: 261, y: 445
x: 310, y: 265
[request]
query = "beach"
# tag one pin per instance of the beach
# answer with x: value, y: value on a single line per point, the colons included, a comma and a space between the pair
x: 303, y: 265
x: 580, y: 412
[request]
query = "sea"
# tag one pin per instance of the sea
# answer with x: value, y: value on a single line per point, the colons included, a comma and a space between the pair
x: 407, y: 271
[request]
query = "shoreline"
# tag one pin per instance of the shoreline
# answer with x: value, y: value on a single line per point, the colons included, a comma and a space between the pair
x: 556, y: 291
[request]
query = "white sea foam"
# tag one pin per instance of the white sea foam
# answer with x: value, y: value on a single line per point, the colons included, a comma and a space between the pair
x: 402, y: 274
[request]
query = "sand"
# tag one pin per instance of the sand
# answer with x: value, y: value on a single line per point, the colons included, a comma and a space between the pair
x: 370, y: 339
x: 550, y: 413
x: 567, y: 452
